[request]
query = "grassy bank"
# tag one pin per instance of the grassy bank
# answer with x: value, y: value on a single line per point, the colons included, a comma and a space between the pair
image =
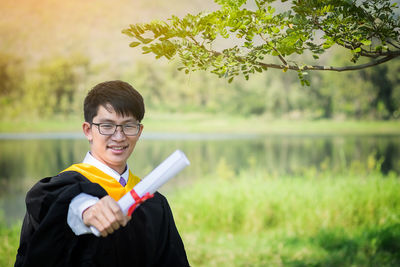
x: 207, y: 123
x: 256, y: 220
x: 9, y: 241
x: 293, y: 221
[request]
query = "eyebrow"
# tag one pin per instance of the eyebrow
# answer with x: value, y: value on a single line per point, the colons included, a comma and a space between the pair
x: 111, y: 121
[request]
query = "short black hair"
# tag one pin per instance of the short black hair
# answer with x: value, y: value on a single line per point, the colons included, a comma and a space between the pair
x: 120, y: 95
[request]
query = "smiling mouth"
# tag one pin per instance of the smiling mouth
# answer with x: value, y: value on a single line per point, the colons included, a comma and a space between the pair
x: 118, y: 148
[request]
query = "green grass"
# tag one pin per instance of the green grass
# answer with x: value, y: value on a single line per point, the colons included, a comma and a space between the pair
x: 9, y: 241
x: 72, y: 124
x: 218, y: 123
x: 252, y: 219
x: 208, y: 123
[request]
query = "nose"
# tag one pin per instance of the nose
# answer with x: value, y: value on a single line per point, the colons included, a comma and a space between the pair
x: 119, y: 133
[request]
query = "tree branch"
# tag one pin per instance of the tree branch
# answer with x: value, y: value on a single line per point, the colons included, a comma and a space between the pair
x: 330, y: 68
x: 396, y: 46
x: 274, y: 48
x: 393, y: 55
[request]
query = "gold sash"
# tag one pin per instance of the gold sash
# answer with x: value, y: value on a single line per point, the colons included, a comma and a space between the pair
x: 110, y: 184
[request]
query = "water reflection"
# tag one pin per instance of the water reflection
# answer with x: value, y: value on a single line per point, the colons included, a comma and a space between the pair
x: 24, y: 161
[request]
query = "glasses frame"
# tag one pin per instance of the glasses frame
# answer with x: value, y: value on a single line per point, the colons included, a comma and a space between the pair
x: 116, y: 126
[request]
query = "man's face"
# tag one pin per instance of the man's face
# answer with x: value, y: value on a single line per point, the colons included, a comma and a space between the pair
x: 112, y: 150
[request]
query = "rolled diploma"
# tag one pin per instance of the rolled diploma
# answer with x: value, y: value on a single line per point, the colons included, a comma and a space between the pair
x: 176, y: 162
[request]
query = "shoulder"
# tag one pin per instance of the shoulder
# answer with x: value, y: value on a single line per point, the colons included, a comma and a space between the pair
x: 58, y: 190
x: 62, y: 178
x: 157, y: 205
x: 158, y: 198
x: 56, y: 183
x: 63, y: 185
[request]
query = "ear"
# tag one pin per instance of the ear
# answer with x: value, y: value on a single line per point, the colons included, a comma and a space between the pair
x: 87, y: 130
x: 140, y: 131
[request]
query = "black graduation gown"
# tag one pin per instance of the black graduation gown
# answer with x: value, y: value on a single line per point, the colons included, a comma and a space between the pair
x: 149, y: 239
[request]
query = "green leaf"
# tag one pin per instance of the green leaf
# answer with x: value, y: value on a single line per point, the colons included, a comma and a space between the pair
x: 127, y: 32
x: 366, y: 42
x: 275, y: 29
x: 147, y: 40
x: 134, y: 44
x: 146, y: 50
x: 258, y: 69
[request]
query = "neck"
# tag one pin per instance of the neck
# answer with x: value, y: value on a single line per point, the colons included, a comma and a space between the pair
x: 119, y: 169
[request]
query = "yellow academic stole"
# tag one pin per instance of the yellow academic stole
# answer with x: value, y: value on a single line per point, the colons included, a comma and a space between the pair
x: 110, y: 184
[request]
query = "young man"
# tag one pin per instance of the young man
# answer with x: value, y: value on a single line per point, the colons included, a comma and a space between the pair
x: 61, y: 209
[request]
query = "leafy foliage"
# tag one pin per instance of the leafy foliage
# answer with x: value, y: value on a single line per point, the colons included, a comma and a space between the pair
x: 257, y: 31
x: 57, y: 82
x: 12, y: 75
x: 10, y: 67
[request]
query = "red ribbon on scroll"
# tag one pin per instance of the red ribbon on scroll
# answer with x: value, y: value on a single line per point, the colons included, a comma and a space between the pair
x: 138, y: 200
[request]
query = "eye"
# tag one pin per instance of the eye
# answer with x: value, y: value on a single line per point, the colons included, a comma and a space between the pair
x: 107, y: 126
x: 130, y: 126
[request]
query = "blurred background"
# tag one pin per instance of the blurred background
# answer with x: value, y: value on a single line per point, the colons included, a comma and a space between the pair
x: 53, y: 52
x: 281, y: 174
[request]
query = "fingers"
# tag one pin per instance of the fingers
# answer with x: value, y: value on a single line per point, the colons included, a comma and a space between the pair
x: 105, y: 215
x: 94, y: 216
x: 117, y: 213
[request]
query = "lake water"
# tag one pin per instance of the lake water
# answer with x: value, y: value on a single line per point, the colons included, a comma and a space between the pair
x: 24, y: 159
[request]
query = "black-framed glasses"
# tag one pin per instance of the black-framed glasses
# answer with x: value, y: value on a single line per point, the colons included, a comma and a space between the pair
x: 129, y: 129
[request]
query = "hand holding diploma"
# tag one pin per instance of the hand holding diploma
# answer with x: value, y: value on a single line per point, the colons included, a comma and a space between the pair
x: 106, y: 216
x: 172, y: 165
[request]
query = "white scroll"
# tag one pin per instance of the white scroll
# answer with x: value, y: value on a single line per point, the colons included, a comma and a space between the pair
x: 172, y: 165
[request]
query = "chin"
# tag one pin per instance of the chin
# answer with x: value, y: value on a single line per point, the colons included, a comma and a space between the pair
x: 118, y: 160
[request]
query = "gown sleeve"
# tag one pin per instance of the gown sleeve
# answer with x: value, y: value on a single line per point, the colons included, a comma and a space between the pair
x: 45, y: 235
